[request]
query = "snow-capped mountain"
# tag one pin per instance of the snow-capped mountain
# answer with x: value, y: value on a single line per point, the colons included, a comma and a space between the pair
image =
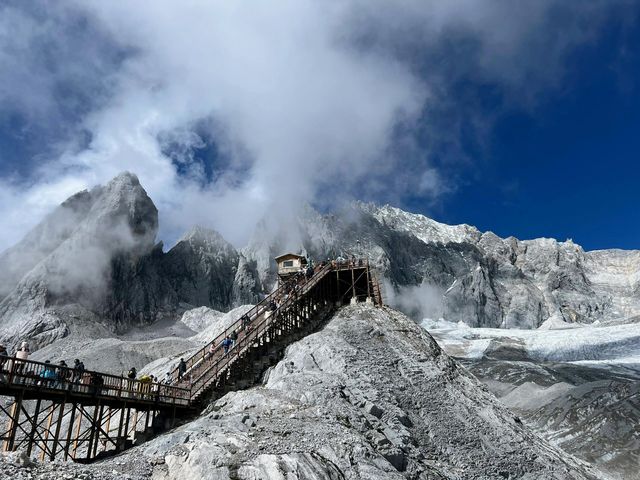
x: 93, y: 265
x: 95, y: 258
x: 92, y: 278
x: 483, y: 280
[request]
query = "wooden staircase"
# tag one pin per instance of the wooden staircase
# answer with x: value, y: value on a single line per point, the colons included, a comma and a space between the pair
x: 300, y: 305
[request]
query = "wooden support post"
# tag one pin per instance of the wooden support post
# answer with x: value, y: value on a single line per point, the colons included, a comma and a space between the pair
x: 354, y: 299
x: 69, y: 431
x: 135, y: 423
x: 52, y: 408
x: 77, y: 436
x: 120, y: 425
x: 97, y: 426
x: 107, y: 427
x: 34, y: 427
x: 56, y: 435
x: 126, y: 428
x: 14, y: 421
x: 93, y: 429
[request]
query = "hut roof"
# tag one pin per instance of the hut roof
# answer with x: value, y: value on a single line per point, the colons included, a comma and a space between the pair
x: 286, y: 256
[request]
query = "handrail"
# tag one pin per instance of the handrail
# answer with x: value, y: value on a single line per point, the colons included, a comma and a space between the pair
x: 222, y: 361
x: 202, y: 368
x: 48, y: 376
x: 255, y: 312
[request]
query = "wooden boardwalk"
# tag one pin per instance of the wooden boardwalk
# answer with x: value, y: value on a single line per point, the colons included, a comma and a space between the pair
x: 56, y: 412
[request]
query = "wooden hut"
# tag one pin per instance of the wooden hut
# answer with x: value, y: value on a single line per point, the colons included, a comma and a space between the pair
x: 290, y: 264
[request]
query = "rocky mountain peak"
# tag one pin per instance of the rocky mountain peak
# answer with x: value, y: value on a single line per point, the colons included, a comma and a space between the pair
x: 123, y: 202
x: 210, y: 240
x: 426, y: 229
x: 68, y: 258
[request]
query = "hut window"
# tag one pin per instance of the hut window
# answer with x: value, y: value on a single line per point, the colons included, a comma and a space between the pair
x: 287, y: 263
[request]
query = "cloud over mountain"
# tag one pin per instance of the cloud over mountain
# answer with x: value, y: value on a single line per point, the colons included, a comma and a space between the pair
x: 229, y: 111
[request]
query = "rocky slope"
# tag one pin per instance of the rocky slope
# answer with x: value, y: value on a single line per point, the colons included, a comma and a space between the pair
x: 577, y: 386
x: 369, y: 396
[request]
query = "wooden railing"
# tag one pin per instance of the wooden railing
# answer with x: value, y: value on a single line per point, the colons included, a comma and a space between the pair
x: 259, y: 317
x: 51, y: 378
x: 202, y: 368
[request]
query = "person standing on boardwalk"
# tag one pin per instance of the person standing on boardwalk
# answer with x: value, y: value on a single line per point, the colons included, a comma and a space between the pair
x: 226, y: 344
x: 4, y: 355
x: 182, y: 369
x: 133, y: 373
x: 22, y: 354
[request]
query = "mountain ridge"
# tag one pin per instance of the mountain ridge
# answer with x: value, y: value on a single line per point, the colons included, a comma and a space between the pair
x: 467, y: 275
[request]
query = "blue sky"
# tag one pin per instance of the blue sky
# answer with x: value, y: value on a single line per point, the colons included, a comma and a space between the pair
x: 526, y: 127
x: 568, y: 167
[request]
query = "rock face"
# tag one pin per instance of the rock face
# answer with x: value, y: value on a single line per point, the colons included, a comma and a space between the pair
x: 369, y: 396
x: 201, y: 268
x: 482, y: 279
x: 42, y: 240
x: 72, y: 265
x: 93, y: 262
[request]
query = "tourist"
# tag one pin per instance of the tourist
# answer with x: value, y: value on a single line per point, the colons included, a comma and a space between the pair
x: 226, y: 344
x: 63, y: 373
x: 182, y: 369
x: 210, y: 352
x: 96, y: 381
x: 133, y: 373
x: 48, y: 375
x: 144, y: 385
x: 78, y: 371
x: 155, y: 388
x: 4, y: 356
x: 21, y: 356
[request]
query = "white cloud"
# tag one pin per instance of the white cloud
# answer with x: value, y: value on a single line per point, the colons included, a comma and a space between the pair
x: 291, y: 91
